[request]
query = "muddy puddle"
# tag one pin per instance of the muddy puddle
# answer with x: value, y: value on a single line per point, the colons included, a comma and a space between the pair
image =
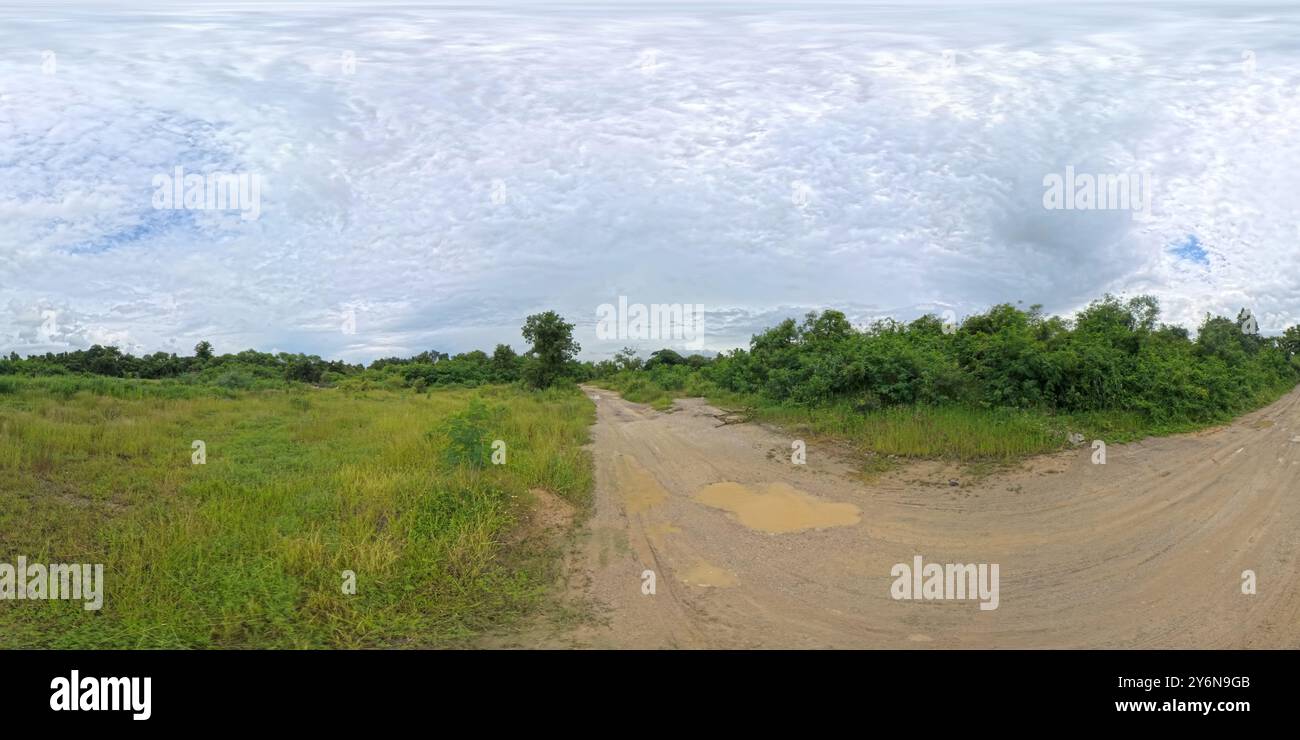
x: 778, y: 507
x: 641, y: 492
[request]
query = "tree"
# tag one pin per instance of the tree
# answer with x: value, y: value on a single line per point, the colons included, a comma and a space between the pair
x: 303, y: 369
x: 626, y: 359
x: 203, y: 351
x: 505, y: 363
x: 553, y: 347
x: 1290, y: 341
x: 664, y: 356
x: 1221, y: 337
x: 829, y: 326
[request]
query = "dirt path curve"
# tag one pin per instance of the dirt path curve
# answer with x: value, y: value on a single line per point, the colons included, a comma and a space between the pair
x: 1145, y: 551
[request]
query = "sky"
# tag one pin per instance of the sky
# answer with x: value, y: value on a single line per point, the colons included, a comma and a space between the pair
x: 428, y: 176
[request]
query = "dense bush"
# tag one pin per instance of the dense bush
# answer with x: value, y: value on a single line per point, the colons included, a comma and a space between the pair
x: 252, y: 370
x: 1114, y: 355
x: 550, y: 360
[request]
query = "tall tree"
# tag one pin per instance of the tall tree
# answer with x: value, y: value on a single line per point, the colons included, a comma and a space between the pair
x: 553, y: 347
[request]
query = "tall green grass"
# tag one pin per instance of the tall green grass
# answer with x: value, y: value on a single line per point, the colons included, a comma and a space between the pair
x: 953, y: 432
x: 249, y: 549
x: 956, y: 432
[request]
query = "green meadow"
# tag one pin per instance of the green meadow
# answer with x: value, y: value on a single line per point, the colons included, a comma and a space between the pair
x: 250, y: 549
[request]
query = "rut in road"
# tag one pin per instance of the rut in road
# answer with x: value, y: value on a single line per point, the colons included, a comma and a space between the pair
x: 749, y: 550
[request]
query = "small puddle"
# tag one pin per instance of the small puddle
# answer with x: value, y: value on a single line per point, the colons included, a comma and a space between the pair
x: 779, y: 508
x: 709, y: 576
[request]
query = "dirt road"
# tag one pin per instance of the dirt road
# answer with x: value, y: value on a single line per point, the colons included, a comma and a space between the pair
x: 749, y: 550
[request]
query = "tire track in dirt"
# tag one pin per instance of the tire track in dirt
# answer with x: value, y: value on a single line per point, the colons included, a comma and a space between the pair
x: 1146, y: 551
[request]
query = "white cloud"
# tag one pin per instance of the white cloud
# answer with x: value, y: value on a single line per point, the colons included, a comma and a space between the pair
x: 483, y: 163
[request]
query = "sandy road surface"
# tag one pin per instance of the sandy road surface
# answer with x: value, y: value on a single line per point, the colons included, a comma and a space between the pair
x: 749, y: 550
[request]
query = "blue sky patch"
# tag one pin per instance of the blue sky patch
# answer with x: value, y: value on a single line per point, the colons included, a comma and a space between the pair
x: 1190, y: 249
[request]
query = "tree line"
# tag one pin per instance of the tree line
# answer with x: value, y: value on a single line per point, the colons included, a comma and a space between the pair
x: 550, y: 359
x: 1115, y: 354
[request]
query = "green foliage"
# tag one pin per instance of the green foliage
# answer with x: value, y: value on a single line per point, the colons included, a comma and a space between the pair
x: 505, y: 364
x: 467, y: 434
x: 1290, y: 342
x: 626, y: 359
x: 664, y: 357
x: 1113, y: 357
x: 234, y: 380
x: 303, y: 370
x: 553, y: 348
x: 255, y: 367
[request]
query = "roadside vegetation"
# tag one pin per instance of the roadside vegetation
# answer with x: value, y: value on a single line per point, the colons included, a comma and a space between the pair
x: 430, y: 498
x: 315, y: 468
x: 249, y: 549
x: 1004, y: 384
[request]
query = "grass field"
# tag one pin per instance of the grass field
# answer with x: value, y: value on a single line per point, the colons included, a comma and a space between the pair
x: 248, y: 550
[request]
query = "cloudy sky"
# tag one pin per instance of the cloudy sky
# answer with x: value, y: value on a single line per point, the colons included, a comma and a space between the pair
x: 431, y: 175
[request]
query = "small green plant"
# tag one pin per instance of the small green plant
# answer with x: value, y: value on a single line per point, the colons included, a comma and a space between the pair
x: 468, y: 441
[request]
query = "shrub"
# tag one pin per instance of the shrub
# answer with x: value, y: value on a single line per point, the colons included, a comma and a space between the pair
x: 235, y: 380
x: 467, y: 436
